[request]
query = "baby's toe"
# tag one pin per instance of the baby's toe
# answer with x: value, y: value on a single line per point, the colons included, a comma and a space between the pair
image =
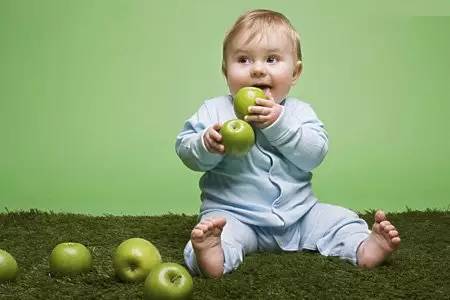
x: 396, y: 241
x: 389, y: 228
x: 393, y: 233
x: 208, y: 224
x: 196, y: 234
x: 203, y: 227
x: 384, y: 224
x: 380, y: 216
x: 220, y: 222
x: 376, y: 227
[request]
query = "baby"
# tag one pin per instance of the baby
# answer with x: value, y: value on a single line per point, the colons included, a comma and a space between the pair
x: 263, y: 201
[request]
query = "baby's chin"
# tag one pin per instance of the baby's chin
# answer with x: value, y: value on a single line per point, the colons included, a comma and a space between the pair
x: 278, y: 99
x: 276, y: 96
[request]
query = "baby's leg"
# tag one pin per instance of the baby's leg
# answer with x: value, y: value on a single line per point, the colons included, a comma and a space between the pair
x: 383, y: 240
x: 333, y: 231
x: 218, y: 245
x: 337, y: 231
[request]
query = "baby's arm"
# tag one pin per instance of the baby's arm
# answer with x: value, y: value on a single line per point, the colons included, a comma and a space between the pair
x: 190, y: 145
x: 300, y: 136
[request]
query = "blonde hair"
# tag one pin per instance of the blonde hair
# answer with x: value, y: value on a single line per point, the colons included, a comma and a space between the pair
x: 259, y: 21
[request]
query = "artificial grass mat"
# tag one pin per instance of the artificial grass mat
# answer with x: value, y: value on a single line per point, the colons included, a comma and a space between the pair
x: 418, y: 270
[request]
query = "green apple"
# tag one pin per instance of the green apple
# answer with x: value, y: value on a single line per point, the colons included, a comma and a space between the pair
x: 237, y: 137
x: 134, y: 259
x: 245, y: 98
x: 8, y: 266
x: 70, y: 258
x: 168, y: 281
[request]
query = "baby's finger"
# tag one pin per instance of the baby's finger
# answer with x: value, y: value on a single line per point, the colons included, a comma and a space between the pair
x: 208, y: 144
x: 215, y: 136
x: 218, y: 147
x: 268, y: 94
x: 214, y: 145
x: 265, y: 102
x: 217, y: 127
x: 261, y: 110
x: 256, y: 118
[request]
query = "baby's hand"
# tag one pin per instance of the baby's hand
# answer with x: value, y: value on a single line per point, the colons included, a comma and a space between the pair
x: 212, y: 140
x: 265, y: 113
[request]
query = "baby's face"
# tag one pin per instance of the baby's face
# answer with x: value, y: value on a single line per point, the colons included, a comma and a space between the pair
x: 268, y: 61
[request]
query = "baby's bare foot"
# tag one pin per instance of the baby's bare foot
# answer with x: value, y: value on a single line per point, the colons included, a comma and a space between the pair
x: 205, y: 238
x: 383, y: 240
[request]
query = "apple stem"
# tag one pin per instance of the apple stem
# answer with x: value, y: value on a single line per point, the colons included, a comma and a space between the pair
x: 175, y: 278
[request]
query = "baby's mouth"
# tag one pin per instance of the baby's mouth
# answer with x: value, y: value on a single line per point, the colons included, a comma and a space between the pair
x: 265, y: 87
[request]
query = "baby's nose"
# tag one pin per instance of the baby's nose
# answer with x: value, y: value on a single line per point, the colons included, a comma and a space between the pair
x: 258, y: 70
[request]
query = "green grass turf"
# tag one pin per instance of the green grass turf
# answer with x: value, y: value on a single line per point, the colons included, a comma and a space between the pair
x: 418, y: 270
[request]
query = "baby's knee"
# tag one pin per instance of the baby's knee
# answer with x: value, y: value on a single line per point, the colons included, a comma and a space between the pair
x: 339, y: 216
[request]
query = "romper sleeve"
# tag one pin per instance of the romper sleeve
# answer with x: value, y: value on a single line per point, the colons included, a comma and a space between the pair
x: 189, y: 142
x: 299, y: 135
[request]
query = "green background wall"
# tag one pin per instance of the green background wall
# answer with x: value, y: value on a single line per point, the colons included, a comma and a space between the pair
x: 93, y: 94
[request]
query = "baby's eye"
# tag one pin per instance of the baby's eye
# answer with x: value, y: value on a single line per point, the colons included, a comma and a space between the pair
x: 243, y: 60
x: 272, y: 59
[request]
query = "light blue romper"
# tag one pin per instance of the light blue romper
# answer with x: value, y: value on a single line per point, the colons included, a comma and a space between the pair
x: 266, y: 195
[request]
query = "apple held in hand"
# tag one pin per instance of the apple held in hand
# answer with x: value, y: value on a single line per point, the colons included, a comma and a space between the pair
x: 8, y: 266
x: 134, y: 259
x: 168, y: 281
x: 245, y: 98
x: 70, y: 258
x: 237, y: 137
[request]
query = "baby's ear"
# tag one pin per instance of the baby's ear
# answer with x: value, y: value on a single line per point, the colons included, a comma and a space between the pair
x: 297, y: 71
